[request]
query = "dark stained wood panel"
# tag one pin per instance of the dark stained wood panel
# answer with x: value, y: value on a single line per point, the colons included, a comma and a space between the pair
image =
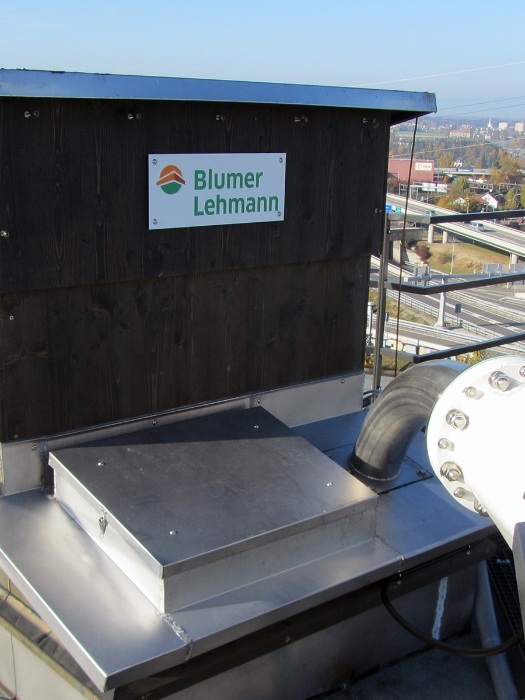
x: 90, y: 354
x: 102, y: 319
x: 73, y: 184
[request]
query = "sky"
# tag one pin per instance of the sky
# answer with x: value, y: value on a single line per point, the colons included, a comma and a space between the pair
x: 471, y: 55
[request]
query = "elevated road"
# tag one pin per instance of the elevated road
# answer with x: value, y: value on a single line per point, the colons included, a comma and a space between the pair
x: 495, y: 235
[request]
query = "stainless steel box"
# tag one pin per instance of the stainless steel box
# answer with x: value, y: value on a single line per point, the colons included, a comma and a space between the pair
x: 199, y: 507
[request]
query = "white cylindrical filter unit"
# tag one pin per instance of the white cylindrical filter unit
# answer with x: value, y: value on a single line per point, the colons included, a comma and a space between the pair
x: 474, y: 440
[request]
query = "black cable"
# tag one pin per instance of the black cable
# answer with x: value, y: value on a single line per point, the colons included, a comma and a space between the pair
x: 462, y: 651
x: 403, y: 243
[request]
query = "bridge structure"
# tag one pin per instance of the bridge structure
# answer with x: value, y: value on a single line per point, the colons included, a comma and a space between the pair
x: 497, y: 236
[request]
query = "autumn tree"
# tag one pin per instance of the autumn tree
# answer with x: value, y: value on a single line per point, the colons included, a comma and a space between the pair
x: 507, y: 169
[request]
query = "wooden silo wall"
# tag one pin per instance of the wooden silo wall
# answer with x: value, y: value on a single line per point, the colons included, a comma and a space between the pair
x: 102, y: 319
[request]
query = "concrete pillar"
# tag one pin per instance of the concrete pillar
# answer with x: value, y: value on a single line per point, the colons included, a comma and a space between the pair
x: 440, y: 323
x: 514, y: 259
x: 431, y: 233
x: 445, y: 236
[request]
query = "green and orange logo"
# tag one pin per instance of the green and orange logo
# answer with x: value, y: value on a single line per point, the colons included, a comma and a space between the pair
x: 170, y: 180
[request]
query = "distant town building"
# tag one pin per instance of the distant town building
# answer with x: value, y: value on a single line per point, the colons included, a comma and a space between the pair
x: 463, y: 132
x: 422, y: 170
x: 492, y: 201
x: 519, y: 127
x: 503, y: 125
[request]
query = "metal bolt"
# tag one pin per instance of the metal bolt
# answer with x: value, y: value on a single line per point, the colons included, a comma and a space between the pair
x: 329, y: 483
x: 499, y: 380
x: 36, y: 113
x: 471, y: 392
x: 130, y: 117
x: 459, y: 492
x: 154, y: 161
x: 138, y: 116
x: 278, y: 213
x: 102, y: 524
x: 256, y: 427
x: 457, y: 419
x: 444, y: 444
x: 34, y: 448
x: 342, y: 381
x: 480, y: 509
x: 154, y: 222
x: 281, y: 160
x: 522, y: 371
x: 451, y: 471
x: 174, y: 532
x: 154, y: 422
x: 4, y: 234
x: 27, y: 114
x: 11, y: 318
x: 101, y: 463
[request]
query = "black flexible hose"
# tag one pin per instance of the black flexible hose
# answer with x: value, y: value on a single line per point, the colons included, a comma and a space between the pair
x: 462, y: 651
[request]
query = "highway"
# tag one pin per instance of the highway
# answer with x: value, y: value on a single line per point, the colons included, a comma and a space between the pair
x: 486, y: 313
x: 495, y: 235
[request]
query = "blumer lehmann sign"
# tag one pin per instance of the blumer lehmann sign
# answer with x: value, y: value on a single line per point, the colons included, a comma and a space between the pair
x: 216, y: 188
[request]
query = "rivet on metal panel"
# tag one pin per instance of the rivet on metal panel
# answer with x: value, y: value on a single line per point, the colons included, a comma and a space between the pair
x: 278, y: 213
x: 154, y: 423
x: 445, y: 444
x: 4, y: 234
x: 138, y: 115
x: 11, y: 318
x: 101, y: 463
x: 174, y: 532
x: 522, y: 371
x: 155, y: 221
x: 27, y: 114
x: 154, y: 161
x: 471, y: 392
x: 459, y: 492
x: 36, y: 113
x: 130, y: 117
x: 281, y: 160
x: 329, y: 483
x: 220, y: 118
x: 256, y: 427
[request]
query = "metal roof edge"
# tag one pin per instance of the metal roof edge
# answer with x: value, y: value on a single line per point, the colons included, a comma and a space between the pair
x: 39, y: 83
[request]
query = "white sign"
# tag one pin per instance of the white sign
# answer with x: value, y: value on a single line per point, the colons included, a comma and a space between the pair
x: 426, y: 167
x: 212, y: 189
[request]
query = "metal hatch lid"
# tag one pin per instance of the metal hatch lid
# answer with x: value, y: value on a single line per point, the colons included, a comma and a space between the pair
x: 199, y: 490
x: 402, y: 105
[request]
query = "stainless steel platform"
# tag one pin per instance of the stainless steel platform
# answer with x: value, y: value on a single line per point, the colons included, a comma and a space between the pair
x: 117, y: 635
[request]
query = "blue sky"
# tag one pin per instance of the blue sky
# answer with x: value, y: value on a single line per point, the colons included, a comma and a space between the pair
x: 467, y: 53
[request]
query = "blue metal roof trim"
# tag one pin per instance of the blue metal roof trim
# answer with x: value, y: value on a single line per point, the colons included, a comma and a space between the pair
x: 36, y: 83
